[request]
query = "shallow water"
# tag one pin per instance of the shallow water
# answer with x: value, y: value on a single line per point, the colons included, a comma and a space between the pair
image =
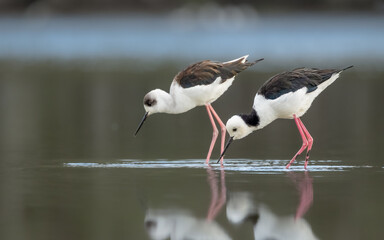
x: 272, y: 166
x: 135, y: 199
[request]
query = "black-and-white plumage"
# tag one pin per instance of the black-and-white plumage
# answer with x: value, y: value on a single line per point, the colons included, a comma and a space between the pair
x: 206, y: 72
x: 287, y: 95
x: 197, y: 85
x: 294, y: 80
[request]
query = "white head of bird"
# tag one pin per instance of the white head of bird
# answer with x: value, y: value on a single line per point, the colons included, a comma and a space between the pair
x: 154, y: 102
x: 240, y: 126
x: 237, y: 128
x: 157, y: 101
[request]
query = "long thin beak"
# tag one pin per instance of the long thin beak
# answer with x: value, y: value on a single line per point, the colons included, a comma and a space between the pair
x: 141, y: 123
x: 225, y: 149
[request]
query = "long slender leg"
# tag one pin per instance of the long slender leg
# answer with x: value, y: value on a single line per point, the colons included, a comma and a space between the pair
x: 310, y: 142
x: 223, y: 129
x: 214, y: 134
x: 305, y: 142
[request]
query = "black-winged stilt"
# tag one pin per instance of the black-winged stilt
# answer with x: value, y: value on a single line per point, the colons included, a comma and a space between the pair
x: 287, y: 95
x: 199, y: 84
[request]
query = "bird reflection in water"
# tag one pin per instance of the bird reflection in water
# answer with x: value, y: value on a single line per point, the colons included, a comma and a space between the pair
x: 180, y: 224
x: 305, y: 188
x: 267, y: 225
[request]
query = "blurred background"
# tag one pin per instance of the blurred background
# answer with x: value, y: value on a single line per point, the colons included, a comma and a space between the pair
x: 73, y: 75
x: 152, y: 6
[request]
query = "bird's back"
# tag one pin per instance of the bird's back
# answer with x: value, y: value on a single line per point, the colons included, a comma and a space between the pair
x: 206, y: 72
x: 294, y: 80
x: 203, y: 82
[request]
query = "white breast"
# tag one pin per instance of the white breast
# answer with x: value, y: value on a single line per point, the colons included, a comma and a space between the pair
x: 291, y: 103
x: 285, y: 106
x: 288, y: 104
x: 202, y: 94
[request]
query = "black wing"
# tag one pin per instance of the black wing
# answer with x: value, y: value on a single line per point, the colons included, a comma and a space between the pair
x: 294, y: 80
x: 206, y: 72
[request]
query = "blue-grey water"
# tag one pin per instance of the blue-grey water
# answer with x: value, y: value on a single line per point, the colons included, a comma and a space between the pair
x: 71, y: 91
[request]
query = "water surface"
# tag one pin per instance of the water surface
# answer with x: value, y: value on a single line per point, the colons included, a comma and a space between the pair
x: 135, y: 199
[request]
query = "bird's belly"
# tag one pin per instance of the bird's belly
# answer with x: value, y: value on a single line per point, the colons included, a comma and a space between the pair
x: 206, y: 94
x: 295, y: 103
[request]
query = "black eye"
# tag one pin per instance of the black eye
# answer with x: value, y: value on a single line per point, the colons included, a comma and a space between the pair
x: 149, y: 102
x: 235, y: 129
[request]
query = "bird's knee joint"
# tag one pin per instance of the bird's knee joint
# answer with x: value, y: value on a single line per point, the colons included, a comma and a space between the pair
x: 215, y: 132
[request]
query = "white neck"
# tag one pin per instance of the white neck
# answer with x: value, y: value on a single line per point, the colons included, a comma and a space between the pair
x: 264, y: 111
x: 171, y: 103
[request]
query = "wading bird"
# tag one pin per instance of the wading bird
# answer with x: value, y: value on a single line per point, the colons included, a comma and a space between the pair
x: 287, y: 95
x: 197, y: 85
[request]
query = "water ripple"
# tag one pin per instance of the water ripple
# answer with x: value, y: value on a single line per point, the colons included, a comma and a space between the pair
x: 241, y: 165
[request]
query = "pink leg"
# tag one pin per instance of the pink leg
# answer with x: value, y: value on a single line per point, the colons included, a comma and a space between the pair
x: 305, y: 142
x: 214, y: 135
x: 310, y: 142
x: 223, y: 130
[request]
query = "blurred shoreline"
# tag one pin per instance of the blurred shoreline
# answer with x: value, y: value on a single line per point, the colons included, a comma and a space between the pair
x: 288, y: 40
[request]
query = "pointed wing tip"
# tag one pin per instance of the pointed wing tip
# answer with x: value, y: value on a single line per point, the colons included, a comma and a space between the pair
x: 259, y: 60
x: 347, y: 68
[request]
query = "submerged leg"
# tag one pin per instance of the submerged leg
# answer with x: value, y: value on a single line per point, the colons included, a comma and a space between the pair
x: 214, y: 134
x: 310, y: 142
x: 223, y: 130
x: 303, y: 137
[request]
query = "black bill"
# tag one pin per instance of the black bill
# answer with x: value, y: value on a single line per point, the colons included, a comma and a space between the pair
x: 225, y: 149
x: 142, y: 122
